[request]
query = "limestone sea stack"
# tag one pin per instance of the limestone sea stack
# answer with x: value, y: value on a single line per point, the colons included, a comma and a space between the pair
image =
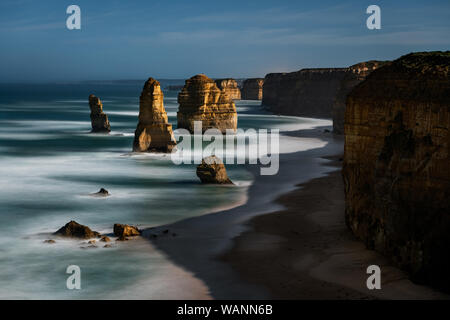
x: 201, y: 100
x: 252, y: 89
x: 230, y: 86
x: 99, y: 120
x: 212, y: 170
x: 153, y: 132
x: 354, y: 75
x: 397, y: 164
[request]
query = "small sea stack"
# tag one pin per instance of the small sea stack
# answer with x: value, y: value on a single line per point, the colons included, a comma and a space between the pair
x: 99, y: 119
x: 396, y: 164
x: 252, y: 89
x: 73, y: 229
x: 230, y: 86
x: 201, y: 100
x: 212, y: 171
x: 154, y: 132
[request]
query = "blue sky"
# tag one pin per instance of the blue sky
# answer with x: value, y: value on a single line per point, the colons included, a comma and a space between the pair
x: 177, y: 39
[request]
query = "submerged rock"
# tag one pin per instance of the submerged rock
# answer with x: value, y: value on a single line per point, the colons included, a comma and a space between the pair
x: 105, y: 239
x: 75, y: 230
x: 99, y: 120
x: 201, y: 100
x: 252, y: 89
x: 124, y: 230
x: 49, y: 241
x: 230, y: 87
x: 153, y: 132
x: 212, y: 170
x: 396, y: 164
x: 101, y: 193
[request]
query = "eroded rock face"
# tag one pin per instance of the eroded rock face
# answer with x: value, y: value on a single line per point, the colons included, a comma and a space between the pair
x: 99, y: 120
x: 397, y: 164
x: 124, y: 230
x: 271, y: 88
x: 354, y: 75
x: 305, y: 93
x: 75, y: 230
x: 153, y: 132
x: 212, y: 170
x: 230, y: 86
x: 201, y: 100
x: 252, y: 89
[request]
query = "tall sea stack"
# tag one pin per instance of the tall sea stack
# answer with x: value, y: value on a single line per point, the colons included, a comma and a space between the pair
x: 230, y: 87
x: 153, y: 132
x: 99, y: 120
x: 354, y: 75
x: 397, y: 164
x: 252, y: 89
x: 201, y: 100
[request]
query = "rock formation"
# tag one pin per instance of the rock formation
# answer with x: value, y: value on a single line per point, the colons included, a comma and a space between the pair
x: 124, y: 230
x: 153, y: 132
x: 271, y: 88
x: 75, y: 230
x: 99, y: 120
x: 212, y: 170
x: 230, y: 86
x: 305, y: 93
x: 252, y: 89
x: 354, y: 75
x: 397, y: 164
x: 201, y: 100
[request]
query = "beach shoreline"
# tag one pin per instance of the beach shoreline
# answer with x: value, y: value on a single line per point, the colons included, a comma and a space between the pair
x: 288, y: 241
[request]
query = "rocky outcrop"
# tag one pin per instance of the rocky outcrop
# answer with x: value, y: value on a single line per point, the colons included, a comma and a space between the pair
x: 153, y: 132
x: 252, y: 89
x: 271, y: 88
x: 396, y: 165
x: 201, y: 100
x: 212, y: 170
x: 99, y: 120
x: 354, y: 75
x: 230, y: 87
x: 101, y: 193
x: 75, y: 230
x: 305, y: 93
x: 124, y: 230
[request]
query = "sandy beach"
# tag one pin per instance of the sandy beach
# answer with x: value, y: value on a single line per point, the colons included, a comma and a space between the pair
x: 288, y: 241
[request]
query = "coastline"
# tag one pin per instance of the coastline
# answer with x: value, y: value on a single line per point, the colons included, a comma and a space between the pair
x: 288, y: 241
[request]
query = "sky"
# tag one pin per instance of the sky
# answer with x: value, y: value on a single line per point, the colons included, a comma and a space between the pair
x: 180, y: 38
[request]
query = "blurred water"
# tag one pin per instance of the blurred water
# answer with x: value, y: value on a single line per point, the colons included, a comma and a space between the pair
x: 50, y: 163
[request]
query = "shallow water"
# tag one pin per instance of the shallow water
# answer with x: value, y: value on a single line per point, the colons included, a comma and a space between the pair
x: 50, y: 164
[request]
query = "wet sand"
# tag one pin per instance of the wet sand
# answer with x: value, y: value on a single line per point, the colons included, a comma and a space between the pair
x: 289, y: 241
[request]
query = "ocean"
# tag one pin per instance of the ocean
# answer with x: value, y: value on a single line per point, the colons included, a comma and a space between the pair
x: 50, y: 163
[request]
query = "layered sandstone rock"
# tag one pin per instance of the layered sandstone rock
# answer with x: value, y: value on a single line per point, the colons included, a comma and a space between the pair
x: 271, y: 88
x: 75, y: 230
x: 124, y: 230
x: 252, y: 89
x: 212, y: 170
x: 153, y: 132
x: 354, y: 75
x: 306, y: 93
x: 397, y: 164
x: 99, y: 120
x: 230, y: 86
x: 201, y: 100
